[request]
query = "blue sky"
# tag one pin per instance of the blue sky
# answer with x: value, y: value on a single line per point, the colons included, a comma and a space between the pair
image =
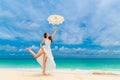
x: 91, y: 27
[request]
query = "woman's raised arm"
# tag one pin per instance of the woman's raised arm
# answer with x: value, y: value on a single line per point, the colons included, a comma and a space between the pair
x: 54, y: 32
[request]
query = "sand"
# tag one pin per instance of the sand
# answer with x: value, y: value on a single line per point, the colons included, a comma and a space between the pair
x: 35, y: 75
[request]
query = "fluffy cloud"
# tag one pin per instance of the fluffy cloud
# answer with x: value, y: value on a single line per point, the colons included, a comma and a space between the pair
x: 96, y: 19
x: 105, y: 28
x: 6, y: 14
x: 84, y: 50
x: 8, y: 48
x: 33, y: 47
x: 62, y: 51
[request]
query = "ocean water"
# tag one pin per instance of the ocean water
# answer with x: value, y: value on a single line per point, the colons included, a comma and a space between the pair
x: 71, y: 63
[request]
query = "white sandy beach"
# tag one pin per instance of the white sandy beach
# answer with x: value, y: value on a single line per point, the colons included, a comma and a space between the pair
x: 8, y: 74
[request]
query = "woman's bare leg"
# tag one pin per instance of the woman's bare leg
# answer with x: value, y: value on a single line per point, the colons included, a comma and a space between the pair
x: 44, y: 64
x: 33, y: 53
x: 39, y: 54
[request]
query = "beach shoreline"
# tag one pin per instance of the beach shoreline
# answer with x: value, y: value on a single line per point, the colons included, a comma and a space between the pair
x: 35, y: 74
x: 81, y: 71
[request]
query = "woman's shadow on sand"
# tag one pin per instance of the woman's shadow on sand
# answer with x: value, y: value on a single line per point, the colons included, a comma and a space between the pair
x: 36, y: 75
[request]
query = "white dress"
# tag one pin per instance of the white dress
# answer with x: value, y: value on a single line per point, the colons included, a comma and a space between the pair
x: 50, y: 63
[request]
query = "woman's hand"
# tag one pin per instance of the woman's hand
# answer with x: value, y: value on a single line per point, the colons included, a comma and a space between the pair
x: 55, y: 28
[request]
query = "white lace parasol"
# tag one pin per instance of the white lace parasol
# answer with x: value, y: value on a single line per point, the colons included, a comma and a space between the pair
x: 55, y: 19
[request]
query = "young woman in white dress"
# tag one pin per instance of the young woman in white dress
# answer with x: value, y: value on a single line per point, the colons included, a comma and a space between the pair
x: 44, y: 56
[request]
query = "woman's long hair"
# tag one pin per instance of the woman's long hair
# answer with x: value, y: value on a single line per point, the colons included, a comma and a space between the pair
x: 50, y: 37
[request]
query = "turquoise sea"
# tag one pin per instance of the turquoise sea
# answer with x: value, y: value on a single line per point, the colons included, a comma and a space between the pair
x: 65, y: 63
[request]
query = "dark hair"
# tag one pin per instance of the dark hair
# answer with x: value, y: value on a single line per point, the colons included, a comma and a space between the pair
x: 45, y: 35
x: 50, y: 37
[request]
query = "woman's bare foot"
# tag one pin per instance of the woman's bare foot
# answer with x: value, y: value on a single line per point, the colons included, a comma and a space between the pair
x: 28, y: 49
x: 44, y: 73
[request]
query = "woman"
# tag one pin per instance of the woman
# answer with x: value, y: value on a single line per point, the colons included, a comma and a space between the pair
x: 44, y: 56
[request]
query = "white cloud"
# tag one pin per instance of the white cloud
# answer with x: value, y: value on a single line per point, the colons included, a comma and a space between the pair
x: 66, y: 49
x: 8, y: 48
x: 83, y: 51
x: 33, y: 47
x: 27, y: 25
x: 101, y: 18
x: 6, y: 13
x: 33, y: 25
x: 104, y: 26
x: 63, y: 51
x: 21, y: 50
x: 72, y: 35
x: 5, y: 33
x: 56, y: 47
